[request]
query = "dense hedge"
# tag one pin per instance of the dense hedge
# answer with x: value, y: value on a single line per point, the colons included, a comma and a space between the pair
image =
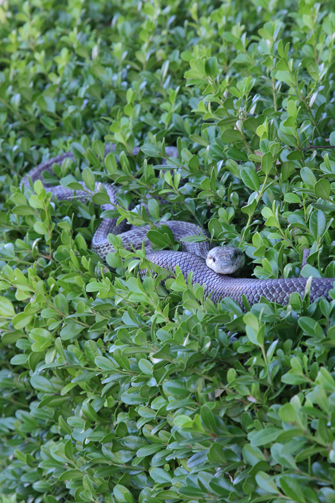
x: 113, y: 390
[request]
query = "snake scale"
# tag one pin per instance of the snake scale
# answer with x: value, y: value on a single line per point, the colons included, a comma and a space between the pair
x: 193, y: 255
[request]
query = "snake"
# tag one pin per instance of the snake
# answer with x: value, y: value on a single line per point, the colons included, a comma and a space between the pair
x: 210, y: 267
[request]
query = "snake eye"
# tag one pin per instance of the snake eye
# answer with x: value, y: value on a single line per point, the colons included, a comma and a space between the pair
x: 213, y: 259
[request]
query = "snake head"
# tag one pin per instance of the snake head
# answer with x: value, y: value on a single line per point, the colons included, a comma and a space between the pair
x: 225, y: 259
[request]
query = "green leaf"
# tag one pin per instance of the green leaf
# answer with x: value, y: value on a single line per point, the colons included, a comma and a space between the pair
x: 292, y: 198
x: 318, y: 224
x: 71, y: 475
x: 150, y: 151
x: 250, y: 178
x: 294, y: 378
x: 160, y: 476
x: 78, y: 150
x: 284, y: 76
x: 287, y: 413
x: 89, y: 179
x: 176, y: 388
x: 153, y: 208
x: 252, y: 455
x: 308, y: 271
x: 265, y: 437
x: 99, y: 148
x: 148, y: 450
x: 19, y: 359
x: 308, y: 177
x: 42, y: 384
x: 145, y: 366
x: 91, y: 350
x: 292, y: 109
x: 211, y: 67
x: 267, y: 162
x: 104, y: 363
x: 230, y: 136
x: 237, y: 154
x: 122, y: 494
x: 193, y: 239
x: 322, y: 188
x: 216, y: 454
x: 249, y: 208
x: 292, y: 489
x: 6, y: 308
x: 266, y: 483
x: 111, y: 164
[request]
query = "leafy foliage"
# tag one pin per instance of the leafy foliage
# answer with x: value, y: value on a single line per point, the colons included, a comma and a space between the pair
x: 117, y: 390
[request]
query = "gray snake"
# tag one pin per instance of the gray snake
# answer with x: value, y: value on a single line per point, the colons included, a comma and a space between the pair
x: 193, y: 255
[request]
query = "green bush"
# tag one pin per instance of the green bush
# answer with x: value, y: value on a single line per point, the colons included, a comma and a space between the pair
x: 113, y: 390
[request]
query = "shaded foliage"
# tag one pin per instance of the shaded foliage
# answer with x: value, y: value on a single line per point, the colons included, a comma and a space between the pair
x: 117, y: 390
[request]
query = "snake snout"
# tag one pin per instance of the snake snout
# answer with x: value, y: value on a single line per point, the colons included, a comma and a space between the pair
x: 225, y: 259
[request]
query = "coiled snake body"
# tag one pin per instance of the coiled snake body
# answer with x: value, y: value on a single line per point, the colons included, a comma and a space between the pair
x: 193, y: 256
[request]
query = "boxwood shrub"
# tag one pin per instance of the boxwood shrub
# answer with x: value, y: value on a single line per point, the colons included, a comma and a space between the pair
x: 121, y: 391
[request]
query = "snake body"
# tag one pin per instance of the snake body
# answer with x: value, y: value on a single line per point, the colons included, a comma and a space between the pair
x: 192, y: 258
